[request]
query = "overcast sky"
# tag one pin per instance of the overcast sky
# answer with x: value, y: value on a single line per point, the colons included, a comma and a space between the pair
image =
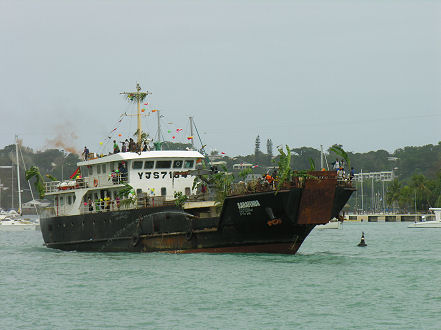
x: 364, y: 74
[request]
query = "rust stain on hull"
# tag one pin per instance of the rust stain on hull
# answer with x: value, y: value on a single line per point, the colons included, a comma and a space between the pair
x: 280, y: 248
x: 317, y: 201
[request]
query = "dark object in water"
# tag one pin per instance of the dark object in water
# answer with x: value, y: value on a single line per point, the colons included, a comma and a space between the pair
x: 362, y: 241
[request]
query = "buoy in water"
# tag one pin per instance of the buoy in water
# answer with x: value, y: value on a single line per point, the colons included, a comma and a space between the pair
x: 362, y: 241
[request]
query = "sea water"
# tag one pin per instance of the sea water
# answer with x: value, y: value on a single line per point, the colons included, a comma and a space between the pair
x: 394, y: 282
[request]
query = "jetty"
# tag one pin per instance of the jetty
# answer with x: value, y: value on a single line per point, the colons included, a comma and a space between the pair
x: 381, y: 217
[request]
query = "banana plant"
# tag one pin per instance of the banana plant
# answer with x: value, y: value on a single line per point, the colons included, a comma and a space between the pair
x: 340, y: 152
x: 34, y: 172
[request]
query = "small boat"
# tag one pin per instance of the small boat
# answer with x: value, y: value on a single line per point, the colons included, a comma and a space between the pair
x: 332, y: 224
x: 429, y: 224
x: 12, y: 220
x: 9, y: 224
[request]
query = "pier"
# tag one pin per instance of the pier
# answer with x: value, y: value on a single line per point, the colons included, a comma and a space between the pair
x: 381, y: 217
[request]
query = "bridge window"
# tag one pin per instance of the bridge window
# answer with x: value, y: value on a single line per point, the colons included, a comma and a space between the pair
x: 149, y: 164
x: 69, y: 200
x: 188, y: 163
x: 163, y: 163
x: 187, y: 191
x: 163, y: 191
x: 98, y: 169
x: 104, y: 168
x: 177, y: 164
x: 137, y: 165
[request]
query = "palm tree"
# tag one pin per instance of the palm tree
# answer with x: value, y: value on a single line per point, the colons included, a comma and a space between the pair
x: 393, y: 193
x: 420, y: 184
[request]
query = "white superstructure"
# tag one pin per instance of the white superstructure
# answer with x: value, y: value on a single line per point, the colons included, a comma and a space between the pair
x: 151, y: 173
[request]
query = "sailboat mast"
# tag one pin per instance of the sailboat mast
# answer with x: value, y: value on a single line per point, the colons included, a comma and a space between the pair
x: 18, y: 175
x: 321, y: 157
x: 191, y: 131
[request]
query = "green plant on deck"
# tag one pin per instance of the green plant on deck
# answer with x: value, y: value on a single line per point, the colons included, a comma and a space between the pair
x: 180, y: 198
x: 144, y: 136
x: 134, y: 97
x: 244, y: 173
x: 34, y: 172
x: 312, y: 163
x: 222, y: 181
x: 285, y: 172
x: 303, y: 174
x: 50, y: 177
x: 127, y: 193
x: 340, y: 152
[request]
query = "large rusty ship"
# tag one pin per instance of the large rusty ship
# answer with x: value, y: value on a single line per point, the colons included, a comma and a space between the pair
x: 165, y: 212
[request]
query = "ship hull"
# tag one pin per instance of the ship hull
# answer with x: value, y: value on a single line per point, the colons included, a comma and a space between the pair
x: 265, y: 222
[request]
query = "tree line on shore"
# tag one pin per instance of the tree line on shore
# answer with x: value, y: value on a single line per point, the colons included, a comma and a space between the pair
x: 417, y: 171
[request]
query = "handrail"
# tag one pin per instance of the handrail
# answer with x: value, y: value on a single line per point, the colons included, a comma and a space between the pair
x: 81, y: 183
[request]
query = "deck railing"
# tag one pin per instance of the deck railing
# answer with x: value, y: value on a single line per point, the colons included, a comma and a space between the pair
x: 80, y: 183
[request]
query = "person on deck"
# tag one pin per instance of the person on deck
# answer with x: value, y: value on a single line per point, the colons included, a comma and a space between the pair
x: 115, y: 147
x: 351, y: 176
x: 90, y: 205
x: 86, y: 153
x: 132, y: 146
x: 123, y: 147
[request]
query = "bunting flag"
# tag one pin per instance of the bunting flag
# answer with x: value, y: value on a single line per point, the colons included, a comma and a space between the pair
x: 75, y: 173
x: 154, y: 110
x: 190, y: 138
x: 146, y: 104
x: 169, y: 131
x: 179, y: 130
x: 223, y: 153
x: 142, y: 110
x: 173, y: 137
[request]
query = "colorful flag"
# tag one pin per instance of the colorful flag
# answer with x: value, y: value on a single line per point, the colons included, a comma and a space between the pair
x: 75, y: 173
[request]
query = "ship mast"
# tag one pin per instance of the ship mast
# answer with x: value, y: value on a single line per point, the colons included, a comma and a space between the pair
x: 159, y: 125
x: 191, y: 131
x: 137, y: 97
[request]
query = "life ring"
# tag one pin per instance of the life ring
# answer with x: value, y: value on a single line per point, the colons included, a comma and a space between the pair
x: 95, y: 183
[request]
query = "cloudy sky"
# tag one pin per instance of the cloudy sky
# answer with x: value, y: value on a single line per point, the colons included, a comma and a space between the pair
x: 364, y: 74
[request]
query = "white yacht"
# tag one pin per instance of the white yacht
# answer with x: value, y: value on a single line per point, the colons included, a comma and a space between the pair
x: 429, y: 224
x: 333, y: 224
x: 11, y: 221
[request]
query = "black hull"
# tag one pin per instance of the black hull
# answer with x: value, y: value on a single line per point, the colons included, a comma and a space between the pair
x: 257, y: 223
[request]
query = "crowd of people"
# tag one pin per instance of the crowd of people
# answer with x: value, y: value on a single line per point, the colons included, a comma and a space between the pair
x: 129, y: 146
x: 126, y: 146
x: 339, y: 166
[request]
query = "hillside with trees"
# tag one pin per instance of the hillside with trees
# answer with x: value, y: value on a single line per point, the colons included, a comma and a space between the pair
x: 417, y: 170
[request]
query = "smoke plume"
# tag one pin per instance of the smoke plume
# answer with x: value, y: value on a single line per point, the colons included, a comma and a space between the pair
x: 65, y: 138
